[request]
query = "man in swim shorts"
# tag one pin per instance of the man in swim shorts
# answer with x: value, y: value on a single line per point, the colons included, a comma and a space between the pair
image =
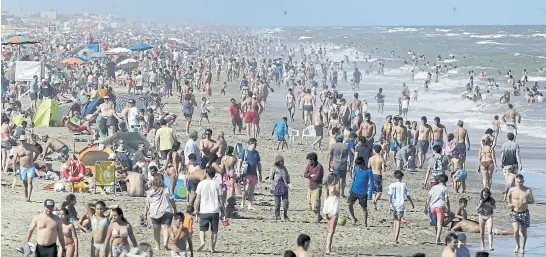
x: 48, y: 229
x: 423, y: 136
x: 439, y: 132
x: 25, y: 155
x: 519, y: 198
x: 308, y: 103
x: 438, y: 202
x: 510, y: 117
x: 462, y: 142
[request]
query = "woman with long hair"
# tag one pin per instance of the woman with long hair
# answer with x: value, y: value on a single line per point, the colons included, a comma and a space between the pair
x: 280, y: 179
x: 485, y: 212
x: 331, y: 207
x: 69, y: 234
x: 160, y: 206
x: 119, y: 232
x: 228, y: 162
x: 173, y: 165
x: 487, y: 161
x: 99, y: 229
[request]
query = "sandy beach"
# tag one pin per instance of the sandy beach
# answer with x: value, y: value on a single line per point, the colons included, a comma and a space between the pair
x: 256, y: 233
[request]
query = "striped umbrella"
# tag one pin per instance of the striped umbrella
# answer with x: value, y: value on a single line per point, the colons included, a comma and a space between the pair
x: 19, y: 40
x: 141, y: 101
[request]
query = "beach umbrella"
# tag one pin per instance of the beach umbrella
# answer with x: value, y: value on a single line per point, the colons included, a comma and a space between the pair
x: 141, y: 101
x: 128, y: 64
x: 85, y: 52
x: 72, y: 61
x: 82, y: 58
x: 19, y: 40
x: 97, y: 55
x: 116, y: 51
x: 140, y: 47
x: 190, y: 49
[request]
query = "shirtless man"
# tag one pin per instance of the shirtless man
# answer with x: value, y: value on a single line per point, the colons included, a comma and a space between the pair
x: 378, y: 166
x: 252, y: 110
x: 48, y: 228
x: 135, y: 184
x: 319, y: 128
x: 291, y: 104
x: 221, y: 146
x: 462, y: 142
x: 519, y: 197
x: 423, y: 136
x: 380, y: 98
x: 25, y: 154
x: 470, y: 226
x: 308, y: 102
x: 368, y: 130
x: 399, y: 135
x: 106, y: 109
x: 439, y: 132
x: 304, y: 241
x: 263, y: 92
x: 56, y: 145
x: 206, y: 146
x: 451, y: 246
x: 510, y: 117
x: 356, y: 105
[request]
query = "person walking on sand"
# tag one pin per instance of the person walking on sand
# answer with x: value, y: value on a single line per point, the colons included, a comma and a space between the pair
x: 308, y: 103
x: 398, y: 191
x: 160, y: 207
x: 380, y: 98
x: 378, y: 166
x: 423, y: 137
x: 314, y: 172
x: 438, y: 203
x: 280, y: 183
x: 519, y: 198
x: 437, y: 165
x: 48, y: 228
x: 302, y: 250
x: 485, y: 216
x: 487, y: 161
x: 280, y: 128
x: 339, y: 158
x: 25, y: 155
x: 462, y: 141
x: 331, y: 208
x: 209, y: 207
x: 234, y: 110
x: 510, y: 156
x: 252, y: 110
x: 250, y: 166
x: 361, y: 189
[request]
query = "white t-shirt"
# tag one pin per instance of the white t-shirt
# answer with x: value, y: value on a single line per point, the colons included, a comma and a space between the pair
x: 438, y: 194
x: 398, y: 192
x: 132, y: 116
x: 209, y: 190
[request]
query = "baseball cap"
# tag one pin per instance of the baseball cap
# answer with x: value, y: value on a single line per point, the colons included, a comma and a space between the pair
x: 339, y: 138
x: 49, y: 203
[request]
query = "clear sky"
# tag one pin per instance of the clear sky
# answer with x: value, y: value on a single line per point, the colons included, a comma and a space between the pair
x: 305, y: 12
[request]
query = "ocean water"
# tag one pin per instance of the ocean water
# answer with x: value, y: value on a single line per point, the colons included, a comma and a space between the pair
x: 477, y: 48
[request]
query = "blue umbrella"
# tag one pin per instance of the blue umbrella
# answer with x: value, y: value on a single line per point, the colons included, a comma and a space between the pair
x: 81, y: 58
x: 140, y: 47
x: 97, y: 55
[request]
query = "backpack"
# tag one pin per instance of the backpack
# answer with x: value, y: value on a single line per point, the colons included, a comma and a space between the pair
x: 439, y: 165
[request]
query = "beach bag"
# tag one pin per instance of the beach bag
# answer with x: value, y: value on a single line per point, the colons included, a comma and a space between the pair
x: 244, y: 165
x: 280, y: 188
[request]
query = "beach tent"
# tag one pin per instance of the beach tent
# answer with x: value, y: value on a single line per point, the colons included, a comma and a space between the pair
x: 48, y: 113
x: 90, y: 155
x: 130, y: 139
x: 91, y: 106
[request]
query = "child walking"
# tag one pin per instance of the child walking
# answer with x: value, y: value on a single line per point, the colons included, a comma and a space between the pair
x: 398, y: 191
x: 204, y: 111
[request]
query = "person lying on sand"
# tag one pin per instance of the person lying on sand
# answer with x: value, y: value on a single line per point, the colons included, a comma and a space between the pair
x: 470, y: 226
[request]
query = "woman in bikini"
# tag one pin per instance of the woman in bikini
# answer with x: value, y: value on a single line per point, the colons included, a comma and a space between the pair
x: 487, y: 161
x: 485, y: 216
x: 119, y: 232
x: 69, y: 233
x: 99, y: 226
x: 331, y: 208
x: 228, y: 161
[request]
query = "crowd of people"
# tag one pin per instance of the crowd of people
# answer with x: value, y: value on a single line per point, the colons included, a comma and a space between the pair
x: 358, y: 152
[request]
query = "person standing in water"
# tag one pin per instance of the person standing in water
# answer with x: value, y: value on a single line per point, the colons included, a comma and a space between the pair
x: 380, y: 98
x: 510, y: 117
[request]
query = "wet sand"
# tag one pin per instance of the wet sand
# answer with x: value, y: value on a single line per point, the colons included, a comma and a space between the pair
x: 256, y: 233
